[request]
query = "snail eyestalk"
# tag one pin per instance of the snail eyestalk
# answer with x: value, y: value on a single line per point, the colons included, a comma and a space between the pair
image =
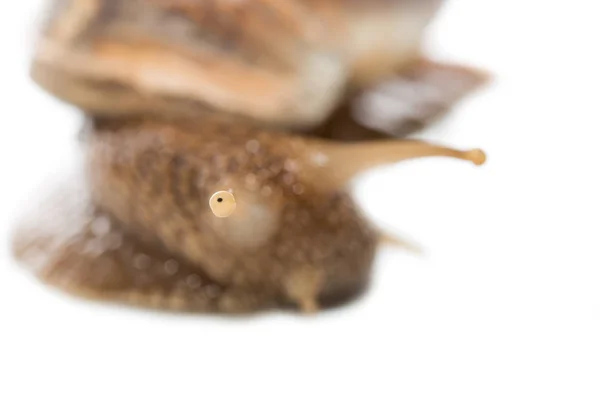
x: 222, y: 204
x: 345, y: 161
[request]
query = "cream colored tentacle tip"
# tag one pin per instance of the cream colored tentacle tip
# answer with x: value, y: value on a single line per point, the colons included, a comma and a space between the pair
x: 222, y: 204
x: 476, y: 156
x: 346, y: 160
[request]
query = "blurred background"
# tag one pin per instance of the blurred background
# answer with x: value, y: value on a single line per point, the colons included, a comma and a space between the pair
x: 505, y: 302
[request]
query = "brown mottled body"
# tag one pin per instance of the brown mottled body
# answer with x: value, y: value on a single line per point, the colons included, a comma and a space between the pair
x: 156, y: 179
x: 296, y: 237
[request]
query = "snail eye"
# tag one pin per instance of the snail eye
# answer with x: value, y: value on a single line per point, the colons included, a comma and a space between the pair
x: 222, y: 204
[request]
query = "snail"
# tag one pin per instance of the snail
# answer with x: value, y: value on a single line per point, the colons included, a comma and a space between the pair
x: 213, y: 177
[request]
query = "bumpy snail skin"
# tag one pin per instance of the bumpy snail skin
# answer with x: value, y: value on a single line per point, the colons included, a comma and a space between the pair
x: 296, y: 237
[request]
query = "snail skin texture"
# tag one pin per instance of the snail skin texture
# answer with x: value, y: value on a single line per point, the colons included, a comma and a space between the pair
x: 295, y: 237
x: 220, y: 140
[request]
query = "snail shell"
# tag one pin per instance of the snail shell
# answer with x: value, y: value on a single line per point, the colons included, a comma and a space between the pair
x: 282, y: 62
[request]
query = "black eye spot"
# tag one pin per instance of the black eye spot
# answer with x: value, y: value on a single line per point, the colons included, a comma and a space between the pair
x: 220, y: 200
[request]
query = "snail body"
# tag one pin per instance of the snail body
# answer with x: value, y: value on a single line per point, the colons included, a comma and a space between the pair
x: 211, y: 181
x: 296, y: 236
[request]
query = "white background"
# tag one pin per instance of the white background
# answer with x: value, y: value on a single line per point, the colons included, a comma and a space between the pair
x: 505, y: 304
